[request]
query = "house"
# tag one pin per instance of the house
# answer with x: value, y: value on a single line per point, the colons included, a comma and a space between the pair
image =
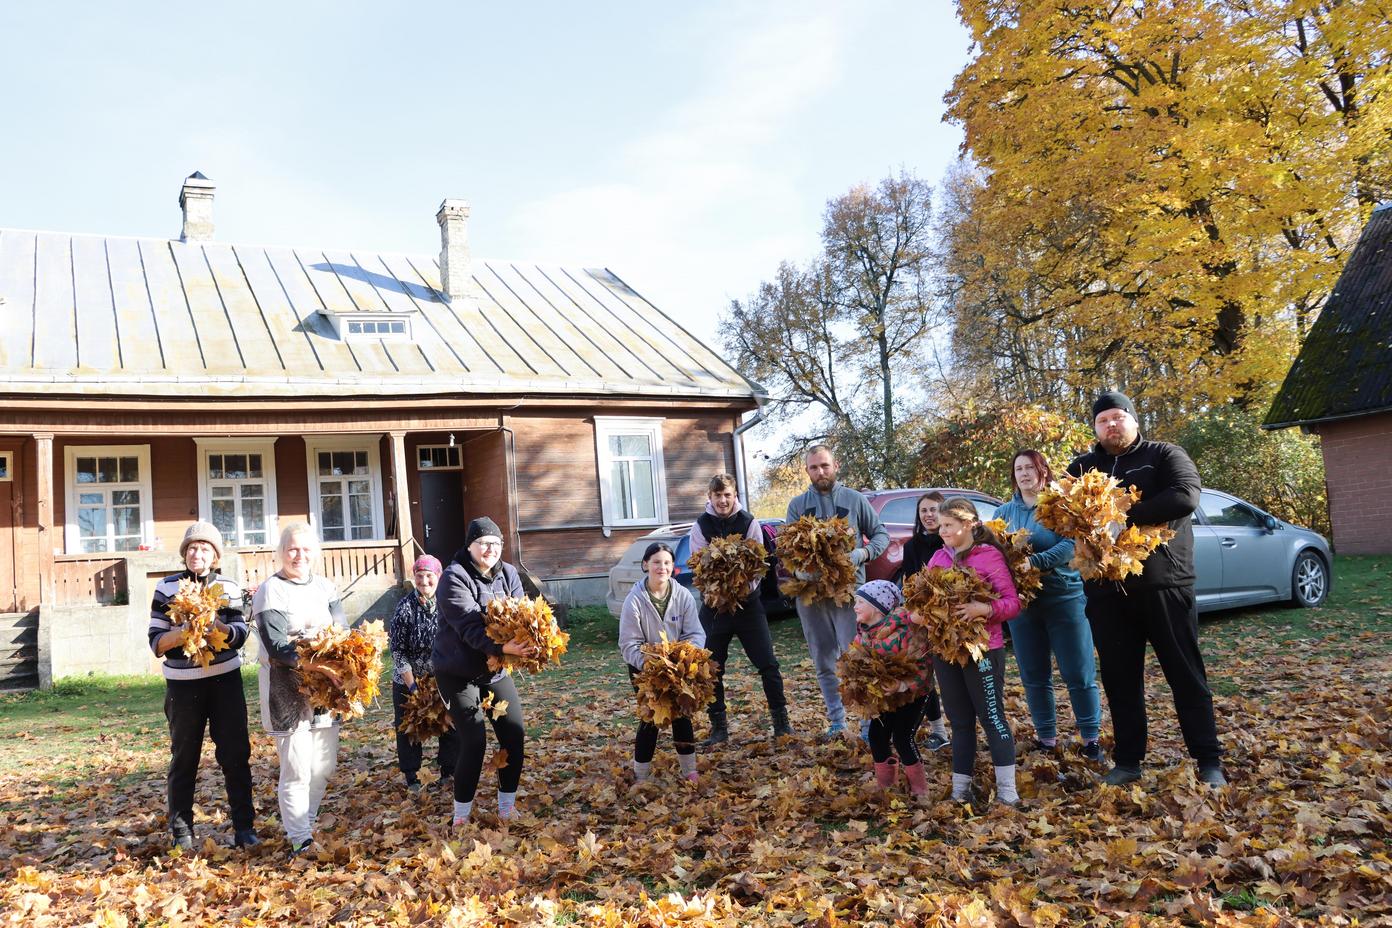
x: 385, y: 398
x: 1340, y: 387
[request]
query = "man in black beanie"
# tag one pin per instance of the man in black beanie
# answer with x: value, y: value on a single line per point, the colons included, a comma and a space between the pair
x: 1156, y: 606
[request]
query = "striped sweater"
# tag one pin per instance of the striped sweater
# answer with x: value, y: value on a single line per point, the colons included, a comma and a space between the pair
x: 178, y: 667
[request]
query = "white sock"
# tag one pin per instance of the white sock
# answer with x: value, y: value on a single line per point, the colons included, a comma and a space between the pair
x: 462, y: 810
x: 688, y: 763
x: 939, y: 727
x: 1005, y: 784
x: 507, y: 803
x: 642, y: 770
x: 961, y: 786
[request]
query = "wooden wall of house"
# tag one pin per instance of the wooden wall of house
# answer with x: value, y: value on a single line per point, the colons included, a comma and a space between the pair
x: 19, y: 565
x: 558, y: 485
x: 486, y: 491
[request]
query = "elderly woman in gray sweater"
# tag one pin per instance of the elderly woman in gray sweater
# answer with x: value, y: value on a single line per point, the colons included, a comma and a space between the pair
x: 655, y: 606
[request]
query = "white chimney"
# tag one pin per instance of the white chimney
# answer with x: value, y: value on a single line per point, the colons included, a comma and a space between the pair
x: 196, y: 200
x: 455, y: 273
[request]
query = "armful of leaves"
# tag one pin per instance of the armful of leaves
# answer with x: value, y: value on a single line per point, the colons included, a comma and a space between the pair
x: 725, y: 569
x: 1083, y: 508
x: 340, y: 668
x: 677, y: 681
x: 821, y: 550
x: 195, y: 608
x: 874, y: 682
x: 932, y: 595
x: 424, y: 714
x: 1028, y: 578
x: 517, y: 618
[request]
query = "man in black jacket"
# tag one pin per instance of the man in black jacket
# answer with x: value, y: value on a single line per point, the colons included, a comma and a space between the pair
x: 1155, y: 606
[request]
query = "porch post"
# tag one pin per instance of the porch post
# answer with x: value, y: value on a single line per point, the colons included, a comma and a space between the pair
x: 405, y: 539
x: 48, y: 537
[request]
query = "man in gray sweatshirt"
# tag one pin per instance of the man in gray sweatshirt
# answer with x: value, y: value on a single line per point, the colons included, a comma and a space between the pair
x: 829, y: 628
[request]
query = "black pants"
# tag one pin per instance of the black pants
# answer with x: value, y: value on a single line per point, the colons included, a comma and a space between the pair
x: 645, y: 742
x: 410, y: 753
x: 1168, y: 619
x: 898, y: 729
x: 750, y: 626
x: 218, y: 704
x: 469, y: 717
x: 975, y: 693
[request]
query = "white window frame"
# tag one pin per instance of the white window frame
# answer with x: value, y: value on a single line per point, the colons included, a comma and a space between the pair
x: 72, y: 535
x: 262, y: 446
x: 317, y: 443
x: 344, y: 324
x: 8, y: 458
x: 609, y: 426
x: 458, y: 453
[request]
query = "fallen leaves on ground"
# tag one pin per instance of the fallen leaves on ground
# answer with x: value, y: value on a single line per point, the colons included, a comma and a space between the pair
x: 529, y: 620
x: 820, y: 550
x: 1089, y: 509
x: 677, y: 681
x: 724, y: 569
x: 194, y: 608
x: 352, y: 657
x: 424, y: 713
x: 1028, y: 580
x: 791, y: 833
x: 932, y: 596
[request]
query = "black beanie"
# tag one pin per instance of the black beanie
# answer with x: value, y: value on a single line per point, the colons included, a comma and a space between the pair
x: 479, y: 528
x: 1112, y: 399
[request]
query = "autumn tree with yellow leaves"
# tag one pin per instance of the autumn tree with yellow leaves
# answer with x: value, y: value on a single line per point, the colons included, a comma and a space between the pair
x: 1160, y: 194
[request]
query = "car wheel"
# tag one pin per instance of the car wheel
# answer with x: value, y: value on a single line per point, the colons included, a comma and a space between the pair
x: 1309, y: 580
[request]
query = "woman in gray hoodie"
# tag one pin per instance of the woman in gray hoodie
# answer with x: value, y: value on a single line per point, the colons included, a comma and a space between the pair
x: 655, y: 606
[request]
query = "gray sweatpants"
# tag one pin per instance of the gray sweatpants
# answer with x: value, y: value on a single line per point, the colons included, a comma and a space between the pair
x: 829, y: 630
x: 975, y: 693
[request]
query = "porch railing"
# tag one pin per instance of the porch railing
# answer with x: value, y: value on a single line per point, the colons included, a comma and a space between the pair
x: 89, y: 578
x: 346, y: 566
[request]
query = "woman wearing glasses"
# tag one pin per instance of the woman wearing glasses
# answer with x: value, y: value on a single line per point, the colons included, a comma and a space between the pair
x: 460, y: 657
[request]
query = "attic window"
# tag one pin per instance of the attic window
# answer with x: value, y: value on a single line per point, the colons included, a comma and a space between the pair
x: 376, y: 328
x: 372, y: 327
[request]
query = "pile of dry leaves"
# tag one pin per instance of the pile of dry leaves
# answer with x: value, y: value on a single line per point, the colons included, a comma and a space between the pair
x: 724, y: 569
x: 819, y: 549
x: 353, y: 659
x: 530, y: 621
x: 1091, y: 510
x: 932, y: 596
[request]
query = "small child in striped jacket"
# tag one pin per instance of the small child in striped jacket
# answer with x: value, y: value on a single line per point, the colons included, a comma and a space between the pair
x: 884, y: 626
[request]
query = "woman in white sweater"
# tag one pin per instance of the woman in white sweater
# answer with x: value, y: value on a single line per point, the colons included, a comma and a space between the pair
x: 655, y: 606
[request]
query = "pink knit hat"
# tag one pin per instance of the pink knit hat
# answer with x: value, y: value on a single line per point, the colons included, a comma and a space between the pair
x: 427, y: 562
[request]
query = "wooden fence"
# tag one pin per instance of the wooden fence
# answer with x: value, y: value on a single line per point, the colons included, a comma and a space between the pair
x: 89, y: 578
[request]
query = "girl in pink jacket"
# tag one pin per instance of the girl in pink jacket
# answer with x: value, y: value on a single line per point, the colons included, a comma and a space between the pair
x: 977, y: 691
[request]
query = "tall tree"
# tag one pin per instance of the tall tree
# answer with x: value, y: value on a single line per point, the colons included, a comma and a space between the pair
x: 1165, y: 187
x: 839, y: 335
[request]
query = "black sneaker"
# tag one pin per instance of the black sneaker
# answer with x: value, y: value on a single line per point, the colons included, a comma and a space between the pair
x: 936, y: 742
x: 245, y: 837
x: 1092, y: 753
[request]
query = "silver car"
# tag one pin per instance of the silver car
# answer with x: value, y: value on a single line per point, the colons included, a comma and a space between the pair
x: 1244, y: 556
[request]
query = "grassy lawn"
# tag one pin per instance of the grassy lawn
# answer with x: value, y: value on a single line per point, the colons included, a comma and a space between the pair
x: 785, y: 833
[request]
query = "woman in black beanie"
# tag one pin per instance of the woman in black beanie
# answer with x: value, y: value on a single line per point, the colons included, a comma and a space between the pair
x: 460, y: 657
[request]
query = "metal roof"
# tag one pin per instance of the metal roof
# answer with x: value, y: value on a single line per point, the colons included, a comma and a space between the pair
x: 115, y: 316
x: 1344, y: 369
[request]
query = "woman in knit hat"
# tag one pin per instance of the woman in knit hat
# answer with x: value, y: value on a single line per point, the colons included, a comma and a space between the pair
x: 460, y: 656
x: 411, y: 635
x: 883, y: 626
x: 199, y: 696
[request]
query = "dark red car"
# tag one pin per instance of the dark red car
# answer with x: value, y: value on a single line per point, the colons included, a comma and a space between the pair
x: 898, y: 510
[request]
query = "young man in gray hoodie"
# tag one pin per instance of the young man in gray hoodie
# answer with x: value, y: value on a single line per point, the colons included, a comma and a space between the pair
x: 829, y: 628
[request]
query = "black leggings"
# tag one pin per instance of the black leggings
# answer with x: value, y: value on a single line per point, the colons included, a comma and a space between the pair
x: 900, y: 727
x: 219, y: 705
x: 645, y: 742
x: 976, y: 691
x: 464, y: 698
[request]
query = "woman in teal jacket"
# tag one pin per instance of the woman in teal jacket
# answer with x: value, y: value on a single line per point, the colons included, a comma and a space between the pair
x: 1054, y: 625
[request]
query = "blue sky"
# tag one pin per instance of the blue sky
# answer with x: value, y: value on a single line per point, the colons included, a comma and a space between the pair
x: 687, y: 147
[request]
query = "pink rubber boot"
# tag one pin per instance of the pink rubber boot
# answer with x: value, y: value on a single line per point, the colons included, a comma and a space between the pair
x: 918, y: 782
x: 886, y: 772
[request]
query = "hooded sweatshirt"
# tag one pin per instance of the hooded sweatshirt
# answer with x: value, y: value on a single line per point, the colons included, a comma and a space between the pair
x: 854, y: 508
x: 639, y: 623
x: 462, y: 646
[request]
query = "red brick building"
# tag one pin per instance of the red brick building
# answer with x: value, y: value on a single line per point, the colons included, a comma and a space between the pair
x: 1340, y: 387
x: 384, y: 398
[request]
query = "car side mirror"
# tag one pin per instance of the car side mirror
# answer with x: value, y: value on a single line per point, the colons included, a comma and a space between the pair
x: 1269, y: 523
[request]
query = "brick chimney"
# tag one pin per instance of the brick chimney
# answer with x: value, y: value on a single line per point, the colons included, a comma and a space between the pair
x: 455, y: 272
x: 196, y: 200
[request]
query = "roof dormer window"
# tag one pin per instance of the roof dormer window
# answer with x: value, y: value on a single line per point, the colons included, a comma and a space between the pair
x: 372, y: 326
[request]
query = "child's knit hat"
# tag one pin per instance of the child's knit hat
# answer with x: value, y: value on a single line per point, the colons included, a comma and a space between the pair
x: 881, y: 594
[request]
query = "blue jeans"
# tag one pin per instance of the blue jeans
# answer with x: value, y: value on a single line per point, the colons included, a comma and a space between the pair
x: 1052, y: 628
